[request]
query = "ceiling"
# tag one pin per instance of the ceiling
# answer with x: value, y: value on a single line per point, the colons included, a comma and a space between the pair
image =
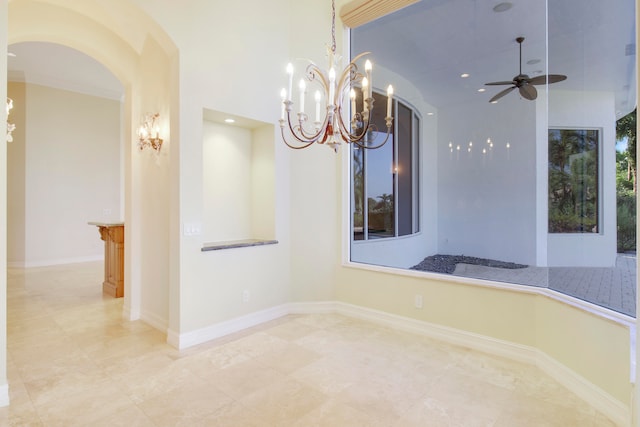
x: 432, y: 43
x: 54, y: 65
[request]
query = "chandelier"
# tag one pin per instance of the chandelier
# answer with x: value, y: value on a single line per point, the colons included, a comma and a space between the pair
x: 146, y: 132
x: 10, y: 126
x: 298, y: 131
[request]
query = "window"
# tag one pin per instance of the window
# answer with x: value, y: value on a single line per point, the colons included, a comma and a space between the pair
x: 385, y: 180
x: 573, y: 181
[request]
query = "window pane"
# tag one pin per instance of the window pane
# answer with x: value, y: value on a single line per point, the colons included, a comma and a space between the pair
x: 403, y: 170
x: 573, y: 181
x: 379, y: 176
x: 358, y: 193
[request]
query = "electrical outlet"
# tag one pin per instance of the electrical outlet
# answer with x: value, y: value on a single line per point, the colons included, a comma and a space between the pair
x: 246, y: 295
x: 417, y: 301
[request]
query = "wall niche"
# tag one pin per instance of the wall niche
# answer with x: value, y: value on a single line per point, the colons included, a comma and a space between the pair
x: 238, y: 181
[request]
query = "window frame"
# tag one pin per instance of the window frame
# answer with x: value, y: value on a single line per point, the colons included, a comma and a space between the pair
x: 415, y: 133
x: 599, y: 184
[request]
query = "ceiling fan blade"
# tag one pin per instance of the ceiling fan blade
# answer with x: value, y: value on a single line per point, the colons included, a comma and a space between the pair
x: 500, y: 83
x: 528, y: 92
x: 552, y: 78
x: 502, y: 93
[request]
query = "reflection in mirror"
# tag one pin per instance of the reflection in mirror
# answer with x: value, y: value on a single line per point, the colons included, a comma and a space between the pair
x: 523, y: 190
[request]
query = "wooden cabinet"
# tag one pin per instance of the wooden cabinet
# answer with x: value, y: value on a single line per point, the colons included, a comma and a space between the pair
x: 113, y: 236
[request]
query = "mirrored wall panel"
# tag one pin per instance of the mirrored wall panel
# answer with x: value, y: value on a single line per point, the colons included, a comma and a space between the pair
x: 513, y: 153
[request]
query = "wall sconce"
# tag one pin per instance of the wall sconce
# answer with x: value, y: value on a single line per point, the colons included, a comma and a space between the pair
x: 146, y: 132
x: 10, y: 126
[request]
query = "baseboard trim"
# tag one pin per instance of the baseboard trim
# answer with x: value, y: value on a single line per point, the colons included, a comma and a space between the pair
x: 129, y: 314
x: 586, y: 390
x: 154, y: 321
x: 51, y: 262
x: 199, y: 336
x: 589, y: 392
x: 457, y: 337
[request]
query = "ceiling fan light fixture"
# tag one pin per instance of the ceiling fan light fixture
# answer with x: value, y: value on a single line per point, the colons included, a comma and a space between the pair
x: 523, y: 82
x: 502, y: 7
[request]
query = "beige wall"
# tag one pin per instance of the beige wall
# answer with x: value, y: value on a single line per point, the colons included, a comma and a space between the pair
x: 64, y: 171
x: 16, y: 177
x: 151, y: 189
x: 595, y: 348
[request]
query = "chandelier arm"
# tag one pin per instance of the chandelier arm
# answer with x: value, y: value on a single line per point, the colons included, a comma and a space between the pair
x: 349, y: 75
x: 347, y: 135
x: 314, y: 73
x: 300, y: 135
x: 314, y: 137
x: 305, y: 145
x: 359, y: 144
x: 357, y: 57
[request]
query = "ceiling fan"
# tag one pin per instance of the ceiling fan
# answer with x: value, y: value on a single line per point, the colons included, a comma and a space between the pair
x: 524, y: 83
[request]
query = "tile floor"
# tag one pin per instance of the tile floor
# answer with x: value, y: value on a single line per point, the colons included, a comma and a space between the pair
x: 73, y: 361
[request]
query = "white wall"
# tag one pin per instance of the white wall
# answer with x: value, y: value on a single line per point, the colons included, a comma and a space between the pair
x: 581, y: 110
x: 69, y: 175
x: 486, y: 202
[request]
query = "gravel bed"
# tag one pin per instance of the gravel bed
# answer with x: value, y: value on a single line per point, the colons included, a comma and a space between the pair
x: 447, y: 263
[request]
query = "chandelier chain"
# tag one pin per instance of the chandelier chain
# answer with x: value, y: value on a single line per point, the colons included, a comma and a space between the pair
x: 331, y: 128
x: 333, y: 26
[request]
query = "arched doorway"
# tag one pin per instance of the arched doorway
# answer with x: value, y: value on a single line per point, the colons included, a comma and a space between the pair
x: 129, y: 44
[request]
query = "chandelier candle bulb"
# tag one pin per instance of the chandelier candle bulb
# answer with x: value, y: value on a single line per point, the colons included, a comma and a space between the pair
x: 352, y: 95
x: 329, y: 127
x: 332, y: 84
x: 389, y: 100
x: 367, y: 69
x: 290, y: 73
x: 283, y: 95
x: 365, y: 92
x: 303, y: 87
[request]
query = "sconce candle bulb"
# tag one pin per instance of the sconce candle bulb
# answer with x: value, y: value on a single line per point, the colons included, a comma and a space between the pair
x: 10, y: 126
x: 148, y: 127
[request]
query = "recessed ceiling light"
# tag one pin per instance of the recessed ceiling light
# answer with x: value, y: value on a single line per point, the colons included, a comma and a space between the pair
x: 502, y: 7
x: 465, y: 75
x: 229, y: 121
x: 494, y: 102
x: 481, y: 89
x: 11, y: 54
x: 430, y: 113
x: 533, y: 61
